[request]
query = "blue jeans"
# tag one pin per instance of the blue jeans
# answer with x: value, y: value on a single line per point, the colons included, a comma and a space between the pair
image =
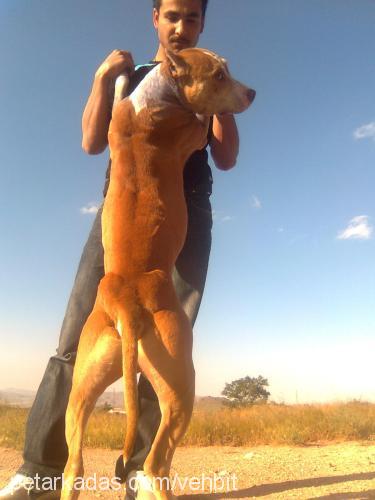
x: 45, y: 450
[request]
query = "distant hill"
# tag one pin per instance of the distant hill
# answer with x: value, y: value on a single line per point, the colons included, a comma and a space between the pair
x: 113, y: 398
x: 25, y: 398
x: 17, y: 397
x: 208, y: 403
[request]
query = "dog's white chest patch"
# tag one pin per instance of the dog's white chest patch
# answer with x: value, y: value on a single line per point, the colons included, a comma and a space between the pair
x: 138, y: 100
x: 152, y: 88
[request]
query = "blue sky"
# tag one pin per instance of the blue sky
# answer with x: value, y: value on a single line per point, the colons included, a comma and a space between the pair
x: 290, y: 291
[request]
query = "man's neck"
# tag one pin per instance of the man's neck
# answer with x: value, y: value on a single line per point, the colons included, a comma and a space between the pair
x: 160, y: 54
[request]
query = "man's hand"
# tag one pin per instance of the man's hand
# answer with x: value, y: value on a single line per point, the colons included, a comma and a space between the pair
x: 117, y: 63
x: 97, y: 113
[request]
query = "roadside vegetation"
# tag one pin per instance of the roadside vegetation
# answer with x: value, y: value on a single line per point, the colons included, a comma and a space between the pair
x: 257, y: 424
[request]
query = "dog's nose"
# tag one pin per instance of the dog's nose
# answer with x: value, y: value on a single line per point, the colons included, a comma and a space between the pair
x: 250, y: 94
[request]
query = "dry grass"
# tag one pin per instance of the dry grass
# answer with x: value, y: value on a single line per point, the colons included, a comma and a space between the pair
x: 12, y: 426
x: 263, y: 424
x: 282, y: 424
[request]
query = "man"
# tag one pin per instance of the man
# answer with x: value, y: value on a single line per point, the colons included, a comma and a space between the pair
x: 178, y: 24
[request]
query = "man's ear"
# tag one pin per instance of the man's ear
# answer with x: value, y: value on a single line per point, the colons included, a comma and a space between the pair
x: 177, y: 65
x: 202, y: 25
x: 155, y: 18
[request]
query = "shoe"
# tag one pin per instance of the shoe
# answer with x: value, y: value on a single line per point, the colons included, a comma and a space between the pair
x: 138, y: 486
x: 20, y: 487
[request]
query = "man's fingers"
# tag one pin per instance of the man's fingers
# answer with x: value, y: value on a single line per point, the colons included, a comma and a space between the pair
x: 126, y: 58
x: 116, y: 63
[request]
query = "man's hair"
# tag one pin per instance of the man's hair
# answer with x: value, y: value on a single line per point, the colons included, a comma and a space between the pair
x: 157, y: 5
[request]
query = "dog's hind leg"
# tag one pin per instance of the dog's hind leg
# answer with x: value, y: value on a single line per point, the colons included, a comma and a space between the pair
x: 165, y: 357
x: 170, y: 369
x: 98, y: 365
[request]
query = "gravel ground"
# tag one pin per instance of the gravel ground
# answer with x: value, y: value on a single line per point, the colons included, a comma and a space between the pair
x: 334, y: 471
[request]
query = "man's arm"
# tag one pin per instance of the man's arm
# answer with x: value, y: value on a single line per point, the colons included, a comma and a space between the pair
x: 224, y: 144
x: 97, y: 112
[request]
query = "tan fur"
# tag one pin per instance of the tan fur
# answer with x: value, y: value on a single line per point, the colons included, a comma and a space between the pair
x: 137, y: 318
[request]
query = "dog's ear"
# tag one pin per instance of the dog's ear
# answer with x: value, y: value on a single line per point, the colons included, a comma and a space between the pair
x: 177, y: 64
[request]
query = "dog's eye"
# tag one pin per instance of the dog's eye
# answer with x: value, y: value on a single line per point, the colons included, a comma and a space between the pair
x: 220, y: 75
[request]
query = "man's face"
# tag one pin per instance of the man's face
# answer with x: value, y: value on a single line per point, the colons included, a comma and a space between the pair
x: 179, y: 23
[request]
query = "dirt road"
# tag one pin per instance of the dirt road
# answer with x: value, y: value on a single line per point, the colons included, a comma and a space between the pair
x: 336, y: 471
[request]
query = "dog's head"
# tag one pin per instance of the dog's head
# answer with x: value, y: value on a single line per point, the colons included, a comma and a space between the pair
x: 205, y: 84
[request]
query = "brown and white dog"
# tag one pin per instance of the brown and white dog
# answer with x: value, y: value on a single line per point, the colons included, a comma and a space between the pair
x: 137, y: 322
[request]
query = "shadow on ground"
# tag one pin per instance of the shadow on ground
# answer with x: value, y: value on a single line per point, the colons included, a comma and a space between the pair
x: 268, y: 489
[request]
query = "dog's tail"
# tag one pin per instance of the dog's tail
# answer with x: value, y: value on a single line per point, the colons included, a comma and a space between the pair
x: 134, y: 321
x: 128, y: 327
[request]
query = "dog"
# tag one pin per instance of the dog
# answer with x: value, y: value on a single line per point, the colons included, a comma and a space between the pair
x: 137, y: 322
